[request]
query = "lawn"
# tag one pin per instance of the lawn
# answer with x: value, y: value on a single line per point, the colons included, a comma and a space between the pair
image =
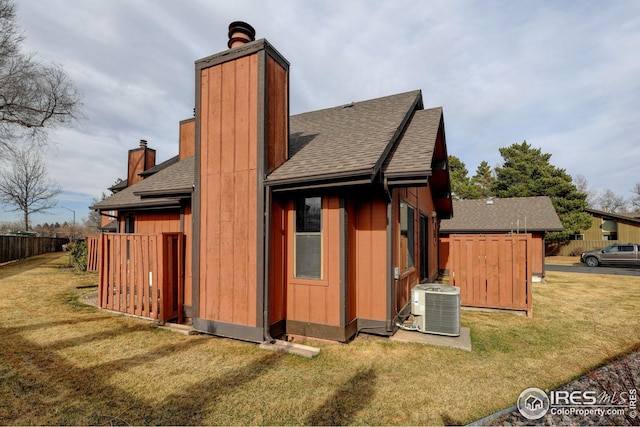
x: 66, y: 363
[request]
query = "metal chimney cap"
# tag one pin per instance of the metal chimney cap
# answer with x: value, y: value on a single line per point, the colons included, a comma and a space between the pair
x: 240, y: 33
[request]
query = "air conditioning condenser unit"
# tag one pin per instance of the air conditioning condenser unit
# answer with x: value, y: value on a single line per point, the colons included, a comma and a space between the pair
x: 436, y: 309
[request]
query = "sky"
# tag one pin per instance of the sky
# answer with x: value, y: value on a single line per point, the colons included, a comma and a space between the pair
x: 562, y: 75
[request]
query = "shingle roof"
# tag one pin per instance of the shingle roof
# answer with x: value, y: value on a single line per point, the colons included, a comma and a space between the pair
x: 174, y: 180
x: 414, y: 151
x: 350, y: 143
x: 350, y: 139
x: 124, y: 183
x: 504, y: 215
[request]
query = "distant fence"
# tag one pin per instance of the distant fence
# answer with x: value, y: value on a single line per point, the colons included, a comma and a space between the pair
x: 18, y: 247
x: 574, y: 247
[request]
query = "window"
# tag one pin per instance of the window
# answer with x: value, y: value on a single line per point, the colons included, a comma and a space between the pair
x: 308, y: 238
x: 129, y: 223
x: 626, y: 248
x: 407, y: 236
x: 576, y: 237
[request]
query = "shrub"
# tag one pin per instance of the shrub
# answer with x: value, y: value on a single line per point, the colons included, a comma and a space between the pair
x: 79, y: 255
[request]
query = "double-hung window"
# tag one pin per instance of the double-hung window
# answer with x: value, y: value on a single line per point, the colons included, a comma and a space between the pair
x: 308, y: 238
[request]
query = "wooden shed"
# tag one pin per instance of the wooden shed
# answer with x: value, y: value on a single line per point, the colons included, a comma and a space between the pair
x: 516, y: 215
x: 318, y: 224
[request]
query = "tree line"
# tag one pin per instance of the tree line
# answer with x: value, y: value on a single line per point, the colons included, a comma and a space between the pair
x: 526, y: 172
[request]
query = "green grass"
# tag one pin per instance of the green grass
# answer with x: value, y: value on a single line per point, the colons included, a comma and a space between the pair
x: 62, y: 362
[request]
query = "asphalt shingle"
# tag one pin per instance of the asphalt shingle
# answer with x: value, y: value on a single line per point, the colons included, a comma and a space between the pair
x: 349, y: 138
x: 524, y: 214
x: 177, y: 178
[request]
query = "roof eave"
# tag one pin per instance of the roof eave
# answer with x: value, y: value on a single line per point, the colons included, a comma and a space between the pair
x: 174, y: 192
x: 146, y: 204
x: 363, y: 176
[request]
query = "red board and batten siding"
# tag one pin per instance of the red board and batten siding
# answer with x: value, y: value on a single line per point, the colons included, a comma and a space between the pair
x: 232, y: 125
x: 310, y: 300
x: 421, y: 200
x: 228, y: 188
x: 367, y: 268
x: 492, y: 270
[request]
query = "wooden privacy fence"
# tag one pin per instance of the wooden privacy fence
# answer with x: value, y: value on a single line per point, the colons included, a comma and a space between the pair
x: 93, y: 256
x: 492, y: 270
x: 142, y: 275
x: 574, y: 247
x: 18, y: 247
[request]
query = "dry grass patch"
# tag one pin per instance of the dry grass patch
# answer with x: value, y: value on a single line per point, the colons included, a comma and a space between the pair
x: 66, y: 363
x: 562, y: 260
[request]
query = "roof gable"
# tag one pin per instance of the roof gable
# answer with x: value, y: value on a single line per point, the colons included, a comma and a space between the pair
x: 347, y: 141
x: 524, y: 214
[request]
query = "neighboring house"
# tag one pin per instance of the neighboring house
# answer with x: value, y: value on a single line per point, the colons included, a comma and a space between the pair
x: 621, y: 227
x: 318, y: 224
x: 534, y: 215
x: 606, y: 228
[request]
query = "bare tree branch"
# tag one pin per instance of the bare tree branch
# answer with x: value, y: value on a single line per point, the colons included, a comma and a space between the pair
x: 24, y: 184
x: 34, y: 97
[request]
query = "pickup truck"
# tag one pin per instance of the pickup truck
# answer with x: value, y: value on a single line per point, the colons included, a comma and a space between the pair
x: 618, y: 254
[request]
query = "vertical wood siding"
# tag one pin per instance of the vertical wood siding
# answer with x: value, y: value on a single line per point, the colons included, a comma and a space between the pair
x: 421, y: 200
x: 187, y: 229
x: 278, y: 259
x: 157, y: 222
x: 278, y: 111
x: 368, y: 254
x: 187, y: 138
x: 317, y: 301
x: 228, y: 191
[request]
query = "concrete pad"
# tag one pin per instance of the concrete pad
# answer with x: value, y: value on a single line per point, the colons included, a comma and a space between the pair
x: 291, y: 348
x: 463, y: 341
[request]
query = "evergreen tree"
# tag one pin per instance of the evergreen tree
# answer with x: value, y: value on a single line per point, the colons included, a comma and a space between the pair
x: 483, y: 180
x: 461, y: 187
x: 527, y: 172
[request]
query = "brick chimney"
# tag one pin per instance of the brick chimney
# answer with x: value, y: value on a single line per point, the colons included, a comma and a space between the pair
x: 241, y: 134
x: 140, y: 159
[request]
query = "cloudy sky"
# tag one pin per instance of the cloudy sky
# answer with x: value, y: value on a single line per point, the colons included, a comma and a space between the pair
x: 562, y: 75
